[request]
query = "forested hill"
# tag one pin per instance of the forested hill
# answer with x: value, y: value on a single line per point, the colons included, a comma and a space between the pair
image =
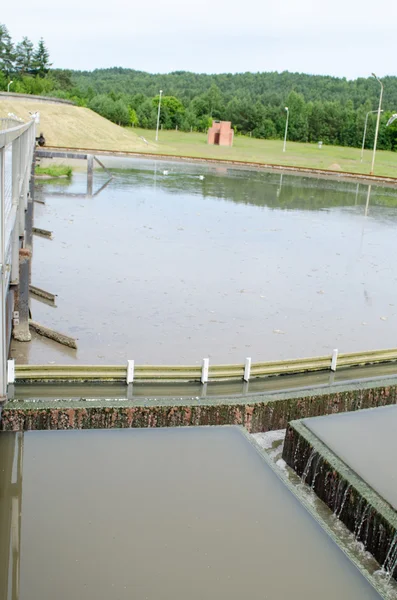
x: 321, y: 108
x: 272, y: 88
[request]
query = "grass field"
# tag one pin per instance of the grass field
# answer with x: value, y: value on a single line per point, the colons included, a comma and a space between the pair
x: 247, y: 149
x: 74, y: 127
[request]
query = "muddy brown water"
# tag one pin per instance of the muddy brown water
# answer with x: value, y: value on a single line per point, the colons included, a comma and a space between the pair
x: 158, y: 514
x: 366, y: 441
x: 168, y: 269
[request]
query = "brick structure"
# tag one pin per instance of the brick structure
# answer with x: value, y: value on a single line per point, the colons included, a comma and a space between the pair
x: 221, y: 133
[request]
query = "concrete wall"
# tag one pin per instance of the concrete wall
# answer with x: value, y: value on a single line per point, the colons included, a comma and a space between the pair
x: 256, y: 412
x: 371, y: 520
x: 36, y: 98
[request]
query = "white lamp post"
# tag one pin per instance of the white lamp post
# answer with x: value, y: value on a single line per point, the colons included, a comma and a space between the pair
x: 365, y: 131
x: 377, y: 122
x: 8, y: 86
x: 286, y: 129
x: 158, y: 117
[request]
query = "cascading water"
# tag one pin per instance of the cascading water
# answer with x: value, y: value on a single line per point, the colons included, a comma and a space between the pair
x: 362, y: 520
x: 390, y: 563
x: 306, y: 470
x: 342, y: 504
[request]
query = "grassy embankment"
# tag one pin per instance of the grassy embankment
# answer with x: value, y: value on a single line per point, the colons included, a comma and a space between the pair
x: 68, y: 126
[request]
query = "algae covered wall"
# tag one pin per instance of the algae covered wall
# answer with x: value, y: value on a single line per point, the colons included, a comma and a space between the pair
x: 262, y: 412
x: 371, y: 520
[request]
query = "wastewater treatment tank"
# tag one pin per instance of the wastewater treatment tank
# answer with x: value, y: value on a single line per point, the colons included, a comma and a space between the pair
x: 158, y: 514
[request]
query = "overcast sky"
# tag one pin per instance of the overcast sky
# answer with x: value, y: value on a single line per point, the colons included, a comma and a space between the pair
x: 346, y: 38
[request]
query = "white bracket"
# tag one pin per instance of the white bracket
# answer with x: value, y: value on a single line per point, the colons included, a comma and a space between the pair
x: 130, y: 371
x: 10, y: 371
x: 247, y: 369
x: 334, y: 360
x: 204, y: 370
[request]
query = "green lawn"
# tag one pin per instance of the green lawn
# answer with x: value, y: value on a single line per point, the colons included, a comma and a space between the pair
x: 270, y: 151
x: 54, y: 171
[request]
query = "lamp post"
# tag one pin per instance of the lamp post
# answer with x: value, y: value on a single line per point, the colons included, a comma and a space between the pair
x: 365, y: 131
x: 158, y: 117
x: 8, y: 86
x: 377, y: 122
x: 286, y: 129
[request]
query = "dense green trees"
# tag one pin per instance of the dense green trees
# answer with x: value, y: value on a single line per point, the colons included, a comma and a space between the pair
x: 321, y: 108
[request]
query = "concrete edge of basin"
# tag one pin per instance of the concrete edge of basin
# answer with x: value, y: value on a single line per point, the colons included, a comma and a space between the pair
x: 256, y: 412
x: 365, y: 513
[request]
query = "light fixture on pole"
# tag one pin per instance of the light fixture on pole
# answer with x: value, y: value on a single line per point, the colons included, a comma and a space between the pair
x: 286, y: 129
x: 365, y: 131
x: 158, y: 118
x: 377, y: 122
x: 8, y: 86
x: 392, y: 118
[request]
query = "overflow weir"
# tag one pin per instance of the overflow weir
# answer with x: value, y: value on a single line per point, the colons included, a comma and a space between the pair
x: 349, y: 462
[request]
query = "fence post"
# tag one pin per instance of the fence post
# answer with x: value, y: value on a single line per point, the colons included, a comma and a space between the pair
x: 334, y: 360
x: 204, y: 370
x: 11, y: 371
x: 130, y: 371
x: 247, y: 369
x: 3, y: 292
x: 16, y: 191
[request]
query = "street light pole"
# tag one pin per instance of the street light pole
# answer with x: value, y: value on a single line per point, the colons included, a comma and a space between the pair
x: 377, y: 122
x: 365, y: 131
x: 158, y: 118
x: 8, y: 86
x: 286, y: 129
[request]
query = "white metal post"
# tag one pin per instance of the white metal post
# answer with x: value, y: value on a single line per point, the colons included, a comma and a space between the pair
x: 377, y: 123
x: 3, y: 344
x: 130, y: 371
x: 16, y: 176
x: 334, y: 360
x: 158, y: 117
x: 286, y: 129
x: 10, y: 371
x: 204, y: 370
x: 247, y: 369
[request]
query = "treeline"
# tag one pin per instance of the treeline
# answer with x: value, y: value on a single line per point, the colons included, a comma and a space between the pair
x: 22, y: 60
x: 321, y: 108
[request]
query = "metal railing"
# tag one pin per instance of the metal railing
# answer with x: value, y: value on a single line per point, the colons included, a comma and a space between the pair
x: 205, y: 372
x: 17, y: 141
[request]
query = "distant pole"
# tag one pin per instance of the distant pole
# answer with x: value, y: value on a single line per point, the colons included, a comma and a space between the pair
x: 286, y: 129
x: 377, y: 123
x: 365, y: 131
x: 158, y: 118
x: 8, y: 86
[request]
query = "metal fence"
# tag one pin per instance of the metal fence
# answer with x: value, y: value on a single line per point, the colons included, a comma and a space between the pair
x: 204, y: 373
x: 17, y: 141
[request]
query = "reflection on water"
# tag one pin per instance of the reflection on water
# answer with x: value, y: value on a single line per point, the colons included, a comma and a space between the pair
x: 159, y: 514
x: 209, y: 260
